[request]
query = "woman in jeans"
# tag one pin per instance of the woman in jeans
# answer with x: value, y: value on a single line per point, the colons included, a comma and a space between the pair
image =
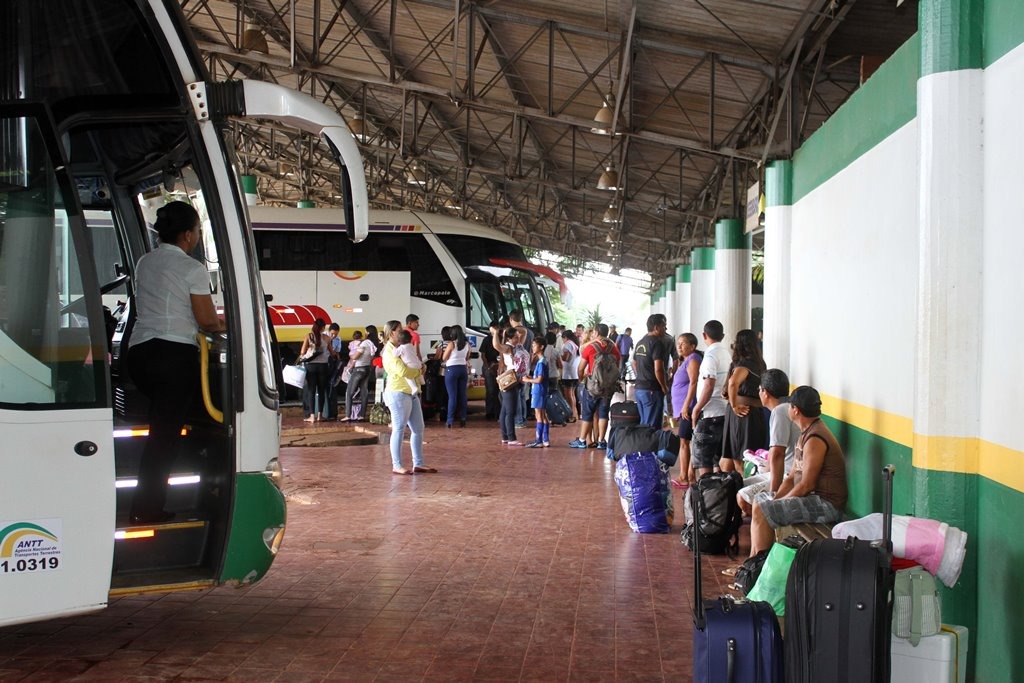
x: 514, y: 357
x: 314, y: 393
x: 359, y: 379
x: 405, y: 408
x: 456, y: 374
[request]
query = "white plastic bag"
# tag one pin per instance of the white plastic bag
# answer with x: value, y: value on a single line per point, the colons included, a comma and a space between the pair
x: 294, y: 375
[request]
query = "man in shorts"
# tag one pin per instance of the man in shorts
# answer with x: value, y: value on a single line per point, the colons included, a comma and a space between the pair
x: 708, y: 417
x: 593, y: 405
x: 815, y: 489
x: 782, y: 438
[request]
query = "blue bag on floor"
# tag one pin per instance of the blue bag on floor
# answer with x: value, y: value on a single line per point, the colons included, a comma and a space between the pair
x: 643, y: 489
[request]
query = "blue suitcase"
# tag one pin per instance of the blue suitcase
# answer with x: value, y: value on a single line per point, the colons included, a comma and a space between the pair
x: 734, y: 641
x: 558, y: 408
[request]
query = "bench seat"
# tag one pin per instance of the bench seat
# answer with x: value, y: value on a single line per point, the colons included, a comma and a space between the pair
x: 809, y: 532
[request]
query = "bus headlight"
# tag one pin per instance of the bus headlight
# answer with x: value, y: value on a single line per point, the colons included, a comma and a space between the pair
x: 274, y: 472
x: 272, y: 537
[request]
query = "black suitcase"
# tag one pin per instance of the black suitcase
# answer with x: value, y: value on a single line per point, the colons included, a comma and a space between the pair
x: 624, y: 414
x: 734, y: 641
x: 558, y: 408
x: 839, y: 607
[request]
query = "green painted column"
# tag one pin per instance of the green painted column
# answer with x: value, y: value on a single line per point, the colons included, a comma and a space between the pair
x: 732, y: 276
x: 778, y: 237
x: 249, y: 187
x: 702, y: 289
x: 950, y: 298
x: 306, y: 204
x: 683, y: 299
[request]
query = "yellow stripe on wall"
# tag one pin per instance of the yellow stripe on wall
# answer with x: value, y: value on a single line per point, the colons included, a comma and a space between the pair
x: 961, y: 454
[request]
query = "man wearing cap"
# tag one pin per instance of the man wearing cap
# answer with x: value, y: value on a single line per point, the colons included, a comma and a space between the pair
x: 815, y: 489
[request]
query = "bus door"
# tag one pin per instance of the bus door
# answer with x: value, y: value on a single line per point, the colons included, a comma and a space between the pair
x: 57, y: 455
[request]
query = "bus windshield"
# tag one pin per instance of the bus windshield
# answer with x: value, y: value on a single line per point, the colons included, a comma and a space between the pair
x: 492, y: 298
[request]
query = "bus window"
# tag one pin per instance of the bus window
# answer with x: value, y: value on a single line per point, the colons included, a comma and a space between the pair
x: 519, y: 294
x: 485, y: 304
x: 46, y: 352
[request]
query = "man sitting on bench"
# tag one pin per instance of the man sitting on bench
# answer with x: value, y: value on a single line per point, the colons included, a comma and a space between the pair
x: 814, y: 491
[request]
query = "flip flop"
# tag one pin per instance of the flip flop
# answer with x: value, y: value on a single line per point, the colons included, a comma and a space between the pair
x: 424, y: 470
x: 730, y: 571
x: 401, y: 471
x: 676, y: 484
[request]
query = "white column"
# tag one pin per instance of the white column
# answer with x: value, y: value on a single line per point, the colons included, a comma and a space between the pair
x: 778, y: 228
x: 683, y: 323
x: 702, y: 290
x: 670, y: 303
x: 732, y: 276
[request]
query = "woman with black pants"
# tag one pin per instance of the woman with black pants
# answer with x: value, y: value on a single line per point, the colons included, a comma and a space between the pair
x: 173, y: 303
x: 315, y: 355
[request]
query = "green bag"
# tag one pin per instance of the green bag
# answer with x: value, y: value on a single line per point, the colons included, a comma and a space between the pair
x: 771, y: 584
x: 916, y: 610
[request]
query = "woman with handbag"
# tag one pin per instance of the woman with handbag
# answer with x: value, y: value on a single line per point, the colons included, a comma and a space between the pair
x: 314, y: 355
x: 515, y: 361
x: 405, y: 407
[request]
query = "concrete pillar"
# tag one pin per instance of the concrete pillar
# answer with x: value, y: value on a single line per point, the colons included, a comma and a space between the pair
x: 732, y: 276
x: 947, y: 416
x: 778, y: 232
x: 683, y: 301
x: 305, y: 204
x: 249, y: 187
x: 670, y: 302
x: 702, y: 290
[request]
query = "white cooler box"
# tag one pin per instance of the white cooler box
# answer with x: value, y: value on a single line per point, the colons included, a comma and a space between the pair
x: 941, y: 658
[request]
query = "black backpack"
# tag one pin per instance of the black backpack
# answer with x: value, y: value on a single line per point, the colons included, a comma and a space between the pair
x: 717, y: 528
x: 604, y: 378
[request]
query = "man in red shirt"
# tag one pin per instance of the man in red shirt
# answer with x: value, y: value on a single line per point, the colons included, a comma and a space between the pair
x: 594, y: 405
x: 412, y: 324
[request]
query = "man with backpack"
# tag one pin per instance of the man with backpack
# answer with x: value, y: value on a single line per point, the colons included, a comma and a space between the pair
x: 599, y: 380
x: 651, y: 359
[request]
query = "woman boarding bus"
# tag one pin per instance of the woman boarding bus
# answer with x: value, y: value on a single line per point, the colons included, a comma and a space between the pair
x: 106, y: 116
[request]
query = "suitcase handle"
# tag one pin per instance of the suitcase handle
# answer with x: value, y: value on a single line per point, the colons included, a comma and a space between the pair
x: 887, y: 474
x: 698, y: 607
x: 730, y: 667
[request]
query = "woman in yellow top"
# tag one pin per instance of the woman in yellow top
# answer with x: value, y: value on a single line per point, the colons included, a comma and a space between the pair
x: 404, y: 406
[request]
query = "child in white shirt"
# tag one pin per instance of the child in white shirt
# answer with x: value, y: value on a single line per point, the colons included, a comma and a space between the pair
x: 407, y: 353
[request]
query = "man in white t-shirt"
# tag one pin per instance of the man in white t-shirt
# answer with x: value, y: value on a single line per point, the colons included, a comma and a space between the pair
x: 782, y: 437
x: 708, y: 415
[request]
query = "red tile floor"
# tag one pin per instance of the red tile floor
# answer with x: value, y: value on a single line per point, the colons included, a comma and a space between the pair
x: 510, y: 564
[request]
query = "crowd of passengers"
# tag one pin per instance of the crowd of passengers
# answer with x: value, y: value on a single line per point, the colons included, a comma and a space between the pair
x: 722, y: 402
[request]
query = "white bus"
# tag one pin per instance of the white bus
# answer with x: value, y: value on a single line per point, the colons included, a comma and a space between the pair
x: 446, y: 270
x: 106, y: 109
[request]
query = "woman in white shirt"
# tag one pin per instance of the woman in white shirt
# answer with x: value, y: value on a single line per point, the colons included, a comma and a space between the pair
x: 359, y: 378
x: 173, y: 302
x: 570, y: 365
x: 456, y: 374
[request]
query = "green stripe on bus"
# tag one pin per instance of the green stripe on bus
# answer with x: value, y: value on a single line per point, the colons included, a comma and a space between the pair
x: 883, y: 105
x: 729, y: 235
x: 258, y: 506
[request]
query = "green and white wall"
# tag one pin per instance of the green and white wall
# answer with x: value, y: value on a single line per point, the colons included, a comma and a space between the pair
x: 899, y: 229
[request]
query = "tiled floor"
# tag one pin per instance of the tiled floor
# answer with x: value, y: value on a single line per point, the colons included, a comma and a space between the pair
x: 507, y: 565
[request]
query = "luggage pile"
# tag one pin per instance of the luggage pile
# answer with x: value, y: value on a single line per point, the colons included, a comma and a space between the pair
x: 848, y: 616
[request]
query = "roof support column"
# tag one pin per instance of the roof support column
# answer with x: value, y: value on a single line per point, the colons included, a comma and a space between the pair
x: 778, y: 227
x: 683, y: 323
x: 732, y: 276
x: 948, y: 368
x: 702, y: 290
